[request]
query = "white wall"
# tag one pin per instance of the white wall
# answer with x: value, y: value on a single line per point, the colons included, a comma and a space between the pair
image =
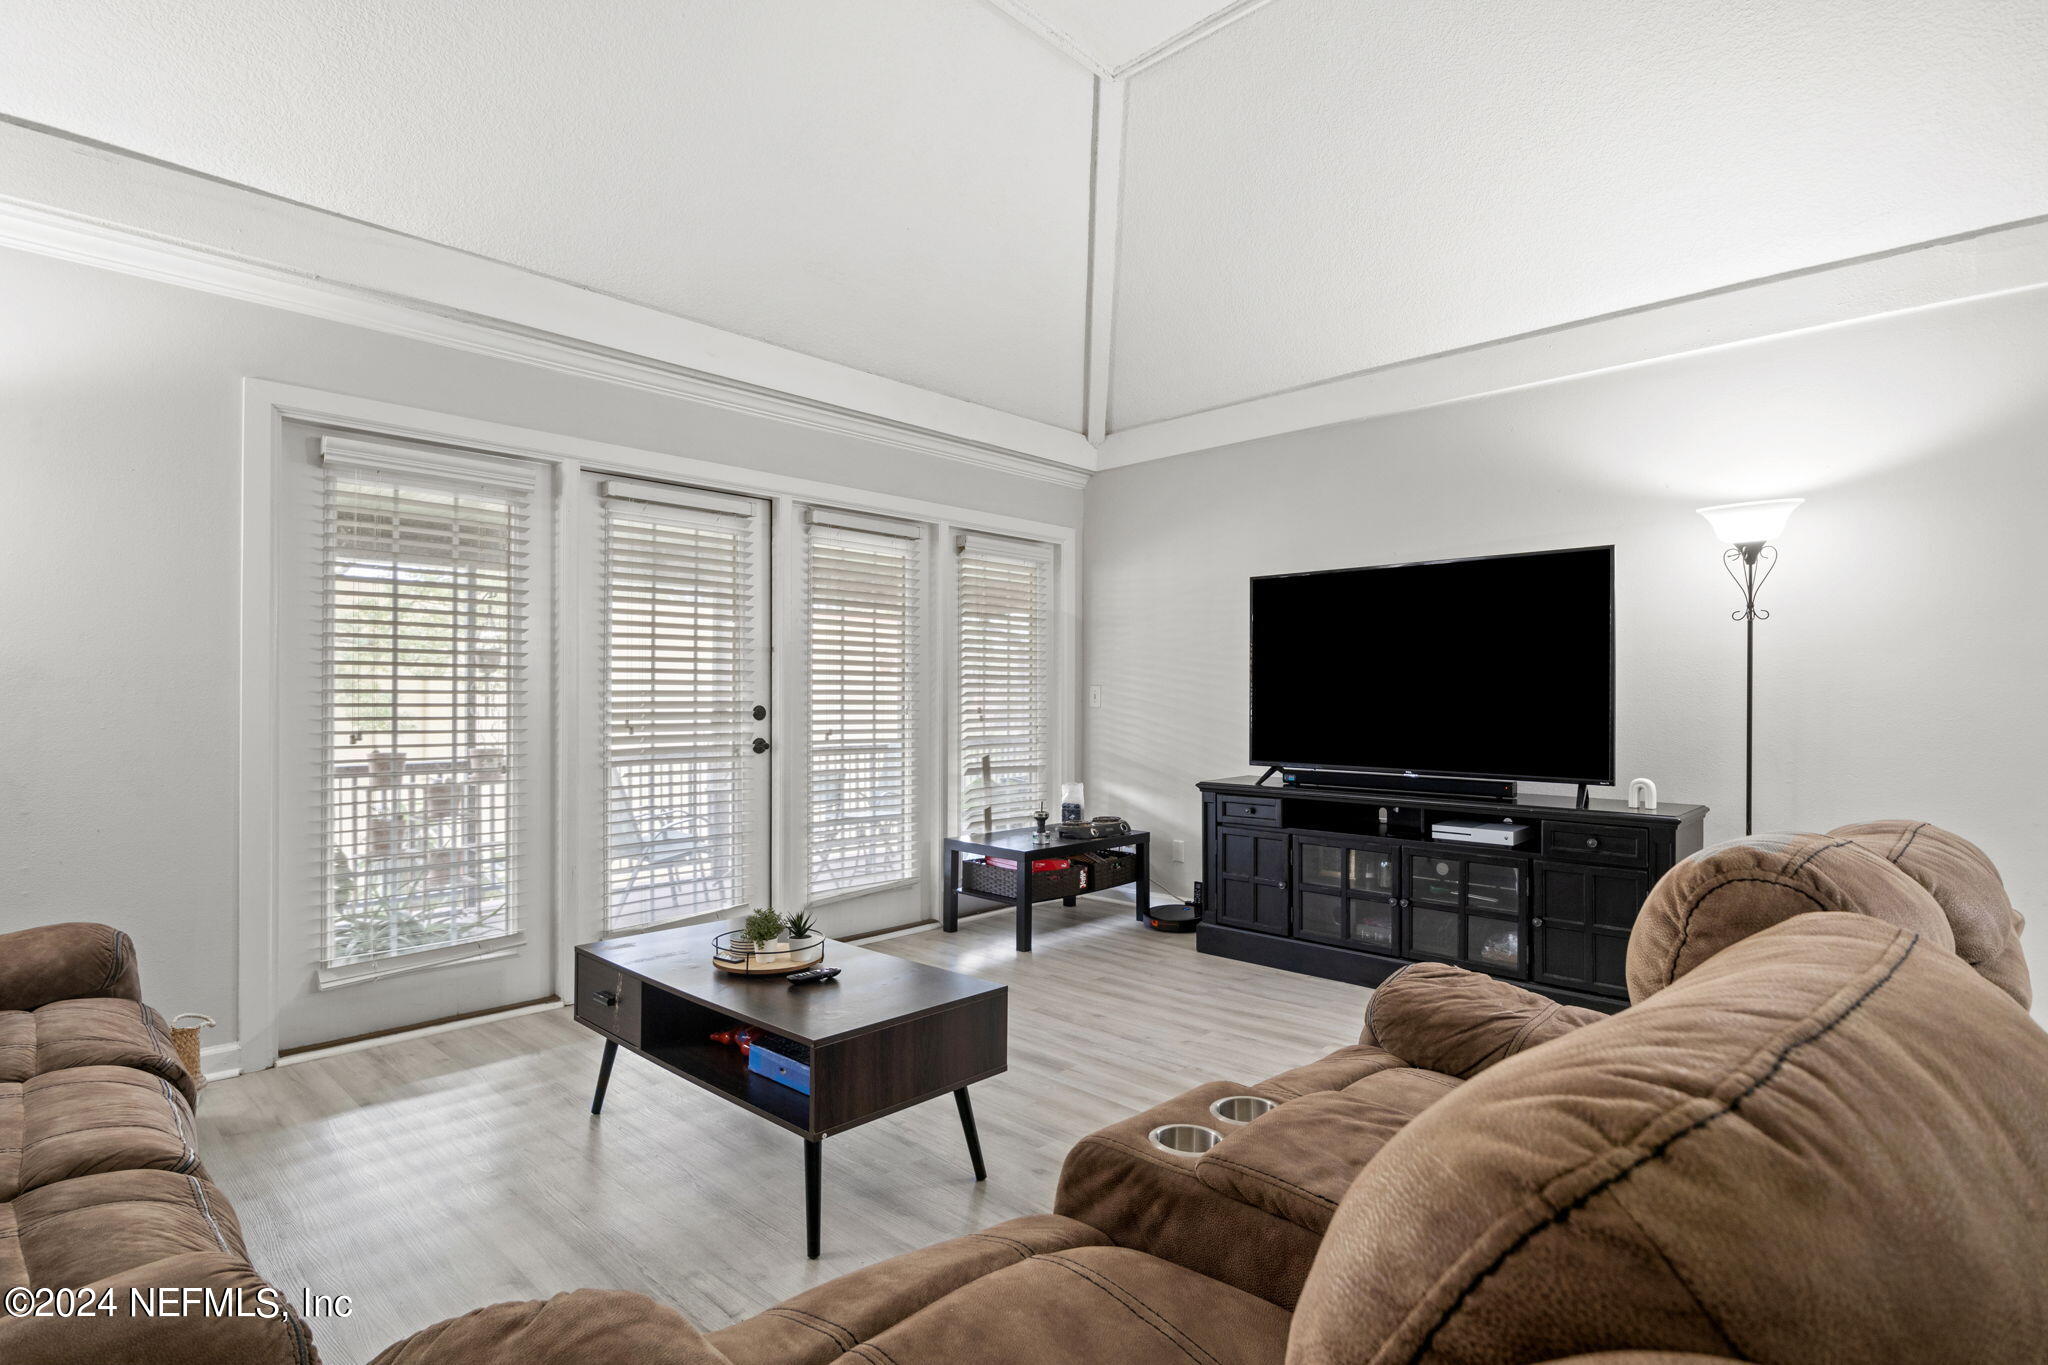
x: 1357, y: 184
x: 120, y: 449
x: 900, y: 187
x: 1900, y: 675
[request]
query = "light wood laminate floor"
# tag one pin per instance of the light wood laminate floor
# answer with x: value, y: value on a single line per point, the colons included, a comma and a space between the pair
x: 428, y: 1177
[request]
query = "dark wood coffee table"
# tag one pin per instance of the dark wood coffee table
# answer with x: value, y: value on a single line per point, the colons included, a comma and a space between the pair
x: 886, y: 1034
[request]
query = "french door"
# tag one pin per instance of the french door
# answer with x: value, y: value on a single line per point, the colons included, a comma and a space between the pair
x: 678, y: 636
x: 416, y: 636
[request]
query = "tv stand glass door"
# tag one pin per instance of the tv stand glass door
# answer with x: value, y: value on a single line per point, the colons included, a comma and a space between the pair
x: 1345, y: 890
x: 1471, y: 911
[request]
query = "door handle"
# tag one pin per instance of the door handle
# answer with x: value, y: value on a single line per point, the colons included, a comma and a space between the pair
x: 760, y: 713
x: 760, y: 746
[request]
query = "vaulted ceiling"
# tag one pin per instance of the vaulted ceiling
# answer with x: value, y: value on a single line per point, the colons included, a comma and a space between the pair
x: 1147, y: 208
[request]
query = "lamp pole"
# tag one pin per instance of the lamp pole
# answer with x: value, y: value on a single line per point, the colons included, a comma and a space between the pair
x: 1747, y: 529
x: 1750, y: 555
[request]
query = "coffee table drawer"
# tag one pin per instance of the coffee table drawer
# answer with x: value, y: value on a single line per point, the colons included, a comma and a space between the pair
x: 608, y: 1000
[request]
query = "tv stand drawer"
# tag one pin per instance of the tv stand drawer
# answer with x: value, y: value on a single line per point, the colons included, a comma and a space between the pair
x: 1615, y: 844
x: 1248, y: 810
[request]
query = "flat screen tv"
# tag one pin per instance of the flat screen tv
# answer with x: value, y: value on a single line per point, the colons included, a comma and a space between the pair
x: 1501, y: 667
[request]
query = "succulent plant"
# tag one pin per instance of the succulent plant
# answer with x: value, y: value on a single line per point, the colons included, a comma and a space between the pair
x: 802, y: 925
x: 763, y: 926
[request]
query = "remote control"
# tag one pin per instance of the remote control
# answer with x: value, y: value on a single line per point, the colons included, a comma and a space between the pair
x: 811, y: 974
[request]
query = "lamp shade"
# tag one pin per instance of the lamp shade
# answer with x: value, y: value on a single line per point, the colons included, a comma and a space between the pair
x: 1750, y: 523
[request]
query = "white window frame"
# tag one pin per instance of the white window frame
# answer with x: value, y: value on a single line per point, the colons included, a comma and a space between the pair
x: 267, y: 405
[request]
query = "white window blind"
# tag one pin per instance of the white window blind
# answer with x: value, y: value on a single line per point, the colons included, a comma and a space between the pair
x: 681, y: 669
x: 424, y: 583
x: 863, y: 581
x: 1005, y: 681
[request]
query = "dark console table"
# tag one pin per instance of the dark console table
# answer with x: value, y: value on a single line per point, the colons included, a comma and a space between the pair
x: 1352, y: 885
x: 1021, y: 846
x: 884, y: 1035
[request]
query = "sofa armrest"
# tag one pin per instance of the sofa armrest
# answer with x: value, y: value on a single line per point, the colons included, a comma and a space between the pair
x: 66, y: 962
x: 576, y: 1328
x: 1460, y: 1022
x: 199, y: 1308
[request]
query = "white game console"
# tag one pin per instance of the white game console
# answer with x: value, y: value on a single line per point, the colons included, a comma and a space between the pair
x: 1500, y: 833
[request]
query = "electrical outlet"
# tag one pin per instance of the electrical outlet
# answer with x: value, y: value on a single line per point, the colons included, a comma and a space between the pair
x: 1180, y: 850
x: 1095, y: 696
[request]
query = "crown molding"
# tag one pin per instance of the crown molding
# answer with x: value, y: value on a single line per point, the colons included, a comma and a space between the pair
x: 98, y: 206
x: 2005, y: 259
x: 1105, y: 186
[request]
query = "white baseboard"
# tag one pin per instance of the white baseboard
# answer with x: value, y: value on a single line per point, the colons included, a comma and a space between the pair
x: 221, y: 1061
x: 427, y: 1031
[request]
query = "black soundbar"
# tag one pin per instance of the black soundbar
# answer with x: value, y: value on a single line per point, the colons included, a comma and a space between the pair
x: 1400, y: 784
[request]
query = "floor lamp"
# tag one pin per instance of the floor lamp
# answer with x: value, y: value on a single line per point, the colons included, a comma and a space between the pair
x: 1747, y: 529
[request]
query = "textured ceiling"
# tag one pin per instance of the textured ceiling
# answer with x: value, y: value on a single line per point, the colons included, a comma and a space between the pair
x: 1313, y: 189
x: 900, y: 187
x: 1327, y: 186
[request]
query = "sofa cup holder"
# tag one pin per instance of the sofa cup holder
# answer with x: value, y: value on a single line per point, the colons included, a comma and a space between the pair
x: 1184, y: 1139
x: 1241, y: 1108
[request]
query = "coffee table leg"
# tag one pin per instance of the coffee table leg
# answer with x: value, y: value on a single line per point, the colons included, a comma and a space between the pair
x: 967, y: 1126
x: 1023, y: 906
x: 814, y: 1153
x: 604, y: 1075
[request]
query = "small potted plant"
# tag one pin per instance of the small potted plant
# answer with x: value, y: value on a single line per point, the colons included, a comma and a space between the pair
x: 768, y: 943
x: 764, y: 927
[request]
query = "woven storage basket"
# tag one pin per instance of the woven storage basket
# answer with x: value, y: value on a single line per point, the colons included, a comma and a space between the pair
x: 185, y: 1042
x: 1001, y: 882
x: 1108, y: 869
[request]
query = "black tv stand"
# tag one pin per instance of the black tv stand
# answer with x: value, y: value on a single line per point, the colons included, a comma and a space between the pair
x: 1353, y: 884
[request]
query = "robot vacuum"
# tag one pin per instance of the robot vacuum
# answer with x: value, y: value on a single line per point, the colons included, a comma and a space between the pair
x: 1173, y: 919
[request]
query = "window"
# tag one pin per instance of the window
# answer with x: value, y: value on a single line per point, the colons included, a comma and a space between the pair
x: 683, y: 669
x: 424, y: 583
x: 1005, y: 681
x: 862, y: 594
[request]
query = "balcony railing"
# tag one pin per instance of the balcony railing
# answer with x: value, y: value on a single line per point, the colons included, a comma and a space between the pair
x: 419, y: 853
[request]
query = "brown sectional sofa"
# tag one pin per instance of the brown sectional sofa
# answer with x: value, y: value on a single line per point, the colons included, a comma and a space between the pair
x: 100, y: 1181
x: 1815, y: 1136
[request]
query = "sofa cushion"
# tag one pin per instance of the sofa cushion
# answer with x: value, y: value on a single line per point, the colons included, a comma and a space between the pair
x: 1296, y: 1161
x: 1967, y: 887
x: 91, y: 1119
x: 250, y: 1329
x: 823, y: 1324
x: 94, y: 1032
x: 77, y: 1231
x: 578, y: 1328
x: 1824, y: 1143
x: 1723, y: 894
x: 1091, y: 1303
x: 1334, y: 1072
